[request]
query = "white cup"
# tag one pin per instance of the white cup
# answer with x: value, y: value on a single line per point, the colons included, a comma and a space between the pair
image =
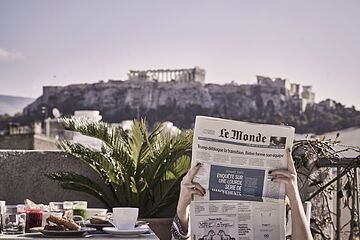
x: 124, y: 218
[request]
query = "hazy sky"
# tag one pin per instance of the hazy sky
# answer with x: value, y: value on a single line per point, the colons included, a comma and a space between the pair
x: 62, y: 42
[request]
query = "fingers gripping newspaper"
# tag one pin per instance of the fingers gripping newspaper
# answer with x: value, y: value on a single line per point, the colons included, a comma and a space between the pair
x: 241, y: 201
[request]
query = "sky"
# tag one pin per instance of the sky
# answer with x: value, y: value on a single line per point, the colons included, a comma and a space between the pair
x: 83, y: 41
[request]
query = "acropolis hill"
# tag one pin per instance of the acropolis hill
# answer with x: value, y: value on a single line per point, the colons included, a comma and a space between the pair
x: 181, y: 94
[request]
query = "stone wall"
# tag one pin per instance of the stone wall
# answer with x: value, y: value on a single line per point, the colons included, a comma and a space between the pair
x: 17, y: 142
x: 27, y: 142
x: 44, y: 143
x: 22, y: 175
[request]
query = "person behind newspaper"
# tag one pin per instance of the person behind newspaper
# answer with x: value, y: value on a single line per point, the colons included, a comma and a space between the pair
x: 300, y: 229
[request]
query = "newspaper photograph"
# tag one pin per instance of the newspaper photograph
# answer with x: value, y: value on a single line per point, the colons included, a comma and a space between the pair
x: 241, y: 201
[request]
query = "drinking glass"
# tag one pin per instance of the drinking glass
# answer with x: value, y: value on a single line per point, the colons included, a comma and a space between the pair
x: 79, y: 208
x: 2, y: 207
x: 67, y: 205
x: 33, y: 218
x: 56, y: 207
x: 13, y: 220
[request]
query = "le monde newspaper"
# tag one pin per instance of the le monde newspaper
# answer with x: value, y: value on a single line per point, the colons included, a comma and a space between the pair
x: 241, y: 201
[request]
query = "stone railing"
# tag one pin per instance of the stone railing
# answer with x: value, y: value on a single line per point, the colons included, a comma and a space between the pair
x: 22, y: 175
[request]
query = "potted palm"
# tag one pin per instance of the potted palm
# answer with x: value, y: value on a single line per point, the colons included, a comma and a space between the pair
x: 139, y: 168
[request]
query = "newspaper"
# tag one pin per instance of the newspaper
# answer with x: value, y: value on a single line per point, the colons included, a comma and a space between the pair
x: 241, y: 201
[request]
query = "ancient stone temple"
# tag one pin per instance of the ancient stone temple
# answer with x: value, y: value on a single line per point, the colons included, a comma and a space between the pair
x: 290, y: 90
x: 195, y: 74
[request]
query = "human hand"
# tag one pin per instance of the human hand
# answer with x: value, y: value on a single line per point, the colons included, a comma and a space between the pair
x: 288, y: 177
x: 188, y: 187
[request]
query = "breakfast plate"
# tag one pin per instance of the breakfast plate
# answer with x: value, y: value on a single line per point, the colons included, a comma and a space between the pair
x: 128, y: 232
x: 69, y: 233
x: 98, y: 226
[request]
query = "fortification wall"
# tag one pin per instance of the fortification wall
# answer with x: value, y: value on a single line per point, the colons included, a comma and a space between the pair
x: 166, y: 101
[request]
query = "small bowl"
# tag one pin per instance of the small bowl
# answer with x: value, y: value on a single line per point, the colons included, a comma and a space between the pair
x: 96, y: 212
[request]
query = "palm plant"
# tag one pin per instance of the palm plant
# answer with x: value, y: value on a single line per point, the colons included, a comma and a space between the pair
x: 140, y: 169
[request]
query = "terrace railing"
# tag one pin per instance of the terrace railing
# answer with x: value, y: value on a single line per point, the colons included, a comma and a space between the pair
x: 344, y: 167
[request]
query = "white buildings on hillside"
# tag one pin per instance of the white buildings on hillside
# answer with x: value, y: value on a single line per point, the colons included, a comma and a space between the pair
x: 291, y: 90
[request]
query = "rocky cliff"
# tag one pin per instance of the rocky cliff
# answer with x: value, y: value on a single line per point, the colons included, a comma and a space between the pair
x: 181, y: 102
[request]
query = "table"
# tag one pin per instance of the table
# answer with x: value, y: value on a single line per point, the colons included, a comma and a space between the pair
x: 32, y: 236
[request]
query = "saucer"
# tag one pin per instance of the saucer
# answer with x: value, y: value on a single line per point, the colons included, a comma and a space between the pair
x: 98, y: 226
x: 69, y: 233
x: 128, y: 232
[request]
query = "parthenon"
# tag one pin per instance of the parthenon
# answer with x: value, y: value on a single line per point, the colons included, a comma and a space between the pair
x: 195, y: 74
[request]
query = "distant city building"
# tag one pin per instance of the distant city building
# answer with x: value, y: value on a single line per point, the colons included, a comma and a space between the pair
x: 327, y: 105
x: 53, y: 128
x: 89, y: 115
x: 40, y: 136
x: 170, y: 128
x: 16, y: 128
x: 195, y: 74
x: 26, y: 138
x: 308, y: 94
x: 292, y: 90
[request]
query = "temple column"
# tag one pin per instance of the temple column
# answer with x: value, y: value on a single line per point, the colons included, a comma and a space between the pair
x: 157, y: 75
